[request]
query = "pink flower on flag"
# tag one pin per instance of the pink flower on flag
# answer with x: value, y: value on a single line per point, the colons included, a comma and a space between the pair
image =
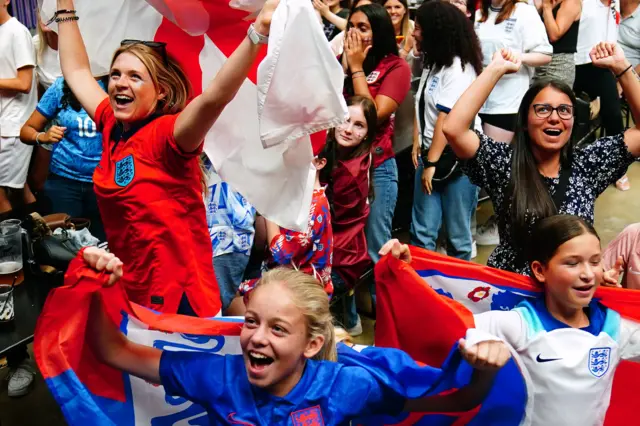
x: 479, y: 293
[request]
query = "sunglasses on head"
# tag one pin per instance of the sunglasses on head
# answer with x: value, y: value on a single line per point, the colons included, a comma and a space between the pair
x: 158, y: 46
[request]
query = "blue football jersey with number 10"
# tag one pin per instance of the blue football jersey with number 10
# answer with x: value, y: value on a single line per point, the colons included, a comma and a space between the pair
x: 78, y: 153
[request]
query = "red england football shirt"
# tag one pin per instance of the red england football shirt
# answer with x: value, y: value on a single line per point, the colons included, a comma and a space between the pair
x: 150, y: 199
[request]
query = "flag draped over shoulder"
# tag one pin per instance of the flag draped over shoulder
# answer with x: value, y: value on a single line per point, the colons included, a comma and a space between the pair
x: 260, y: 143
x: 425, y: 307
x: 89, y: 392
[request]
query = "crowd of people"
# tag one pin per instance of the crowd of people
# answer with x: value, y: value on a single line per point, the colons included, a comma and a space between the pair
x: 492, y: 93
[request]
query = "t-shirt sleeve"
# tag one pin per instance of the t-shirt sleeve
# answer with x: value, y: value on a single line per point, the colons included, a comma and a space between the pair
x: 49, y: 104
x: 454, y: 83
x: 604, y: 161
x: 507, y: 325
x: 23, y: 53
x: 397, y: 82
x: 104, y: 115
x: 491, y: 166
x: 164, y: 144
x: 629, y: 340
x: 196, y: 376
x: 534, y: 34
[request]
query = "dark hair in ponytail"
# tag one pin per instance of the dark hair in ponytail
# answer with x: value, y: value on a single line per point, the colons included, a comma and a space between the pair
x: 69, y: 99
x: 530, y: 195
x: 551, y: 232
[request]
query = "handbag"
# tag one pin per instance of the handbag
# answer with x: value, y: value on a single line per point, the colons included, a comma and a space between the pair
x: 447, y: 167
x: 49, y: 254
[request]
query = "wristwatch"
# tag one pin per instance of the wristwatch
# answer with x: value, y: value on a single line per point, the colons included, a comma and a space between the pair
x: 256, y: 37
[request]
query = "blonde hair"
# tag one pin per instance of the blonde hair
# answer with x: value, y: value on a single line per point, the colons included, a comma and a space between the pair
x: 43, y: 45
x: 168, y: 78
x: 308, y: 296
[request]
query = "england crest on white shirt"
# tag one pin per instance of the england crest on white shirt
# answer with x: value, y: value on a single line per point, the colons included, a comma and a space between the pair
x: 599, y: 361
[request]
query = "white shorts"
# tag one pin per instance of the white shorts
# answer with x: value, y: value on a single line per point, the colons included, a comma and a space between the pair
x: 14, y: 162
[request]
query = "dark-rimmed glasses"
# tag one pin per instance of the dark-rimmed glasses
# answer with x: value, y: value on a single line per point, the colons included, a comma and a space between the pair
x: 158, y: 46
x: 545, y: 110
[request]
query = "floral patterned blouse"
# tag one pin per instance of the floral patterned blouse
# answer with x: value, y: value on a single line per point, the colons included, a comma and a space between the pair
x: 593, y: 169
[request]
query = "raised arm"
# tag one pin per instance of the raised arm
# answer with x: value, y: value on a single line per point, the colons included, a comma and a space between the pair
x: 21, y: 83
x: 568, y: 13
x: 456, y: 128
x: 197, y: 118
x: 487, y: 358
x: 611, y: 56
x: 108, y: 343
x: 75, y: 62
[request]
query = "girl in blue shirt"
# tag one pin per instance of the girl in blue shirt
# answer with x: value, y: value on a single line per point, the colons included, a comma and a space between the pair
x: 286, y: 369
x: 77, y: 148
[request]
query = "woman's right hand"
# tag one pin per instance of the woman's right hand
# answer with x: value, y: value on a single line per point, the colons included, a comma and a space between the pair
x: 101, y: 260
x: 415, y: 152
x: 507, y: 61
x: 54, y: 134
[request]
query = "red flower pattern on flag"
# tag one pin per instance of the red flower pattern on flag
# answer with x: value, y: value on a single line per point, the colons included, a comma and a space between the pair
x: 479, y: 293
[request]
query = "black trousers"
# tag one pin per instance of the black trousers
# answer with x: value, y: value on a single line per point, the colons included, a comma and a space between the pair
x: 601, y: 82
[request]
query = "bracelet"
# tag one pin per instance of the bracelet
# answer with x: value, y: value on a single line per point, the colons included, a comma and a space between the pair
x: 37, y: 138
x: 55, y: 18
x: 66, y: 19
x: 353, y: 74
x: 627, y: 69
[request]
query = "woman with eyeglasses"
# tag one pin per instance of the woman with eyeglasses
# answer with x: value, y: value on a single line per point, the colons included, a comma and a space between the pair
x: 541, y: 173
x: 148, y: 181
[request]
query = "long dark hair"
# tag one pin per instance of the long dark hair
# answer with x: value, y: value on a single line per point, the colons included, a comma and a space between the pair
x: 330, y: 150
x: 69, y: 99
x: 383, y: 42
x: 507, y: 9
x: 447, y: 33
x: 553, y: 231
x: 530, y: 195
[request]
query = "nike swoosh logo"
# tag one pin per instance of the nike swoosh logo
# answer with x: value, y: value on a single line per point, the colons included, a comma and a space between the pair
x: 631, y: 271
x: 231, y: 418
x: 540, y: 359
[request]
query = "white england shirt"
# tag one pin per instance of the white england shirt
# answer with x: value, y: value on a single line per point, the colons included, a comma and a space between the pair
x: 597, y: 23
x: 569, y: 371
x: 522, y: 32
x: 440, y: 90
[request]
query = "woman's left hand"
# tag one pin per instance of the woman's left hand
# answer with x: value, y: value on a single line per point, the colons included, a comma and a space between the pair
x: 355, y: 50
x: 263, y: 21
x: 100, y: 260
x: 321, y: 7
x: 611, y: 277
x: 609, y: 55
x: 487, y: 356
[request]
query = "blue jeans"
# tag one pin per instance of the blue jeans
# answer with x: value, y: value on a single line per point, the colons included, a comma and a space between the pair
x: 229, y: 269
x: 77, y: 199
x: 385, y: 191
x: 453, y: 201
x: 349, y: 300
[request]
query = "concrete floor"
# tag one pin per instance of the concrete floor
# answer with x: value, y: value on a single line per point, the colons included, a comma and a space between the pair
x: 614, y: 210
